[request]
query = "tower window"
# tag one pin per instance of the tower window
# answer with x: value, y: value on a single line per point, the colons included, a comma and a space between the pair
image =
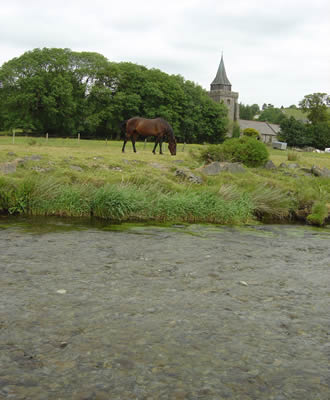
x: 228, y: 101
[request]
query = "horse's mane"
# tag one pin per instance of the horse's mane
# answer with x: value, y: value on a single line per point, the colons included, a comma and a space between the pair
x: 170, y: 132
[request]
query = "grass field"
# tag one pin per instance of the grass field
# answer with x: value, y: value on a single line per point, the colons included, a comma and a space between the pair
x: 82, y: 178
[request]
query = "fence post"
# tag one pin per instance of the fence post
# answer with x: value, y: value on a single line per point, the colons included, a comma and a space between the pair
x: 13, y: 136
x: 184, y: 143
x: 47, y: 137
x: 78, y: 137
x: 145, y: 144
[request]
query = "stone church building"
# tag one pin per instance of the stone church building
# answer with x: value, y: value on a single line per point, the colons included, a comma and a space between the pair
x: 221, y: 90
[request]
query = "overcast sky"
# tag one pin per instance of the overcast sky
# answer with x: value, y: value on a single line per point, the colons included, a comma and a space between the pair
x: 274, y: 51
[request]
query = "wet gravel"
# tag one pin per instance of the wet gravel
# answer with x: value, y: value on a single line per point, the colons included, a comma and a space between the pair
x: 183, y: 312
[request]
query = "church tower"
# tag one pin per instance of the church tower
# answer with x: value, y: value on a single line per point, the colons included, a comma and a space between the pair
x: 221, y: 91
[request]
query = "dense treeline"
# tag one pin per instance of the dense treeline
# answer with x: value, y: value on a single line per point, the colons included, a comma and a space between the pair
x: 315, y: 131
x: 61, y: 92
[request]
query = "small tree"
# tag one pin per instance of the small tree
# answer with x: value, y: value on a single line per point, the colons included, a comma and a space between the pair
x: 251, y: 132
x: 294, y: 133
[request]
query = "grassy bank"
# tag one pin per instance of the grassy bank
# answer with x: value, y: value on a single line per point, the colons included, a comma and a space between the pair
x: 67, y: 177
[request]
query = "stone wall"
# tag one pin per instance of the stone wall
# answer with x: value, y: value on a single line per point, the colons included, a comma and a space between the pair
x: 230, y: 99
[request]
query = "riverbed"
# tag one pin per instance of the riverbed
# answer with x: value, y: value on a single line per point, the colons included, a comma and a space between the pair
x: 90, y: 310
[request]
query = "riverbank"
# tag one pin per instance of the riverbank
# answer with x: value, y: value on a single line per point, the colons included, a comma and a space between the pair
x: 67, y: 177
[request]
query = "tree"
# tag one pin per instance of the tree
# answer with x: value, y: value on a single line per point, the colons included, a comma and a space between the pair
x: 294, y: 133
x: 44, y: 90
x: 248, y: 112
x: 319, y: 134
x: 316, y: 105
x: 62, y: 92
x: 272, y: 115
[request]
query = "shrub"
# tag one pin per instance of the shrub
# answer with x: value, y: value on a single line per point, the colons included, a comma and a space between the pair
x: 236, y: 130
x: 251, y: 132
x: 293, y: 156
x: 212, y: 152
x: 319, y: 213
x: 246, y: 150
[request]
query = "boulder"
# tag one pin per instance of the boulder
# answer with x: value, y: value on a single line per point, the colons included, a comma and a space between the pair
x: 270, y: 165
x: 76, y: 168
x: 322, y: 172
x: 186, y: 174
x: 8, y: 168
x: 216, y: 168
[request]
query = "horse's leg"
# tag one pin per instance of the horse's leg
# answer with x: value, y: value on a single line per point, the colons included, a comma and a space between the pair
x: 124, y: 144
x: 133, y: 138
x: 160, y: 145
x: 154, y: 149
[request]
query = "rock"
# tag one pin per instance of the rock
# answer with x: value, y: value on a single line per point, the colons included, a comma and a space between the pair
x: 294, y: 165
x: 186, y: 174
x: 11, y: 154
x: 76, y: 168
x: 317, y: 171
x: 243, y: 283
x: 283, y: 165
x: 8, y: 168
x: 61, y: 291
x: 270, y: 165
x: 216, y: 168
x: 34, y: 157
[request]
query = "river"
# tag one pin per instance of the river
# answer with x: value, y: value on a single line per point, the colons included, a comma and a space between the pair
x: 92, y: 311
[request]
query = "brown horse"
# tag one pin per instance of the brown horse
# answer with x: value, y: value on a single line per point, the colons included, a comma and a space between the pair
x: 157, y: 127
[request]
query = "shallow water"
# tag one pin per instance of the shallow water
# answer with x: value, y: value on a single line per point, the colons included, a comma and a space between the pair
x: 90, y: 310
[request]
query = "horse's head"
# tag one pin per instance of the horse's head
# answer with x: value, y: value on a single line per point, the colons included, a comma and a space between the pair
x: 172, y: 148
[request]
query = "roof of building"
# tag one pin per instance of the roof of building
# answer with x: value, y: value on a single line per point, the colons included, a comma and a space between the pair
x: 221, y: 76
x: 263, y: 128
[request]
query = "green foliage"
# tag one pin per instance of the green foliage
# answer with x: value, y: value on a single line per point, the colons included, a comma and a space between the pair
x: 212, y: 152
x: 248, y: 112
x: 316, y: 106
x: 319, y: 213
x: 64, y: 92
x: 272, y: 114
x: 246, y: 150
x: 319, y: 134
x: 316, y: 133
x: 251, y: 132
x: 266, y: 200
x: 236, y: 130
x: 294, y: 133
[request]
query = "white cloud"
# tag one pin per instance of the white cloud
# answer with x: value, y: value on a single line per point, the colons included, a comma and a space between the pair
x: 274, y: 51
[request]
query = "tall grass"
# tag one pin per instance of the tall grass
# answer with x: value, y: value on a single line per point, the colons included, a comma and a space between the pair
x: 120, y: 202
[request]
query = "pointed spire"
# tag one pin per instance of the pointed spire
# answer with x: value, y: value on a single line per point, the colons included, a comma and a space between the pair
x: 221, y: 81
